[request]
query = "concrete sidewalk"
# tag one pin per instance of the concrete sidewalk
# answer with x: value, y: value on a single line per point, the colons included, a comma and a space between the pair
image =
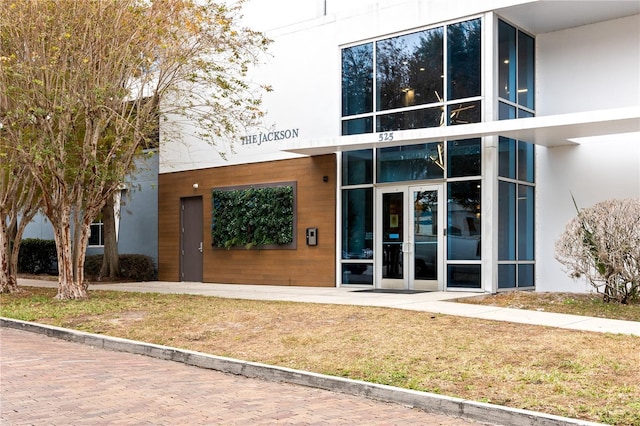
x: 435, y: 302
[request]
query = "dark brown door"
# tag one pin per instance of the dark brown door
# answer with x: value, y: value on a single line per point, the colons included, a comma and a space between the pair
x: 191, y: 239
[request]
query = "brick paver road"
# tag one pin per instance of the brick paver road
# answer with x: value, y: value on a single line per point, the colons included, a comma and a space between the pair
x: 46, y: 381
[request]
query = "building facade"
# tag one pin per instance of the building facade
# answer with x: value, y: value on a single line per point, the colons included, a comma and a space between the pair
x: 135, y: 211
x: 426, y: 145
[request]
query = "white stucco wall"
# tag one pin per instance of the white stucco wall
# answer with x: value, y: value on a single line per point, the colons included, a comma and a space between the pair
x: 592, y: 172
x: 589, y: 68
x: 586, y: 68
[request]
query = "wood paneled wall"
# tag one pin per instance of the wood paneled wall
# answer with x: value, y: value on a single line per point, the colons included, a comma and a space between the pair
x: 316, y: 208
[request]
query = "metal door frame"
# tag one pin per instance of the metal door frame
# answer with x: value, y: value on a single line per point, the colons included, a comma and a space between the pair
x: 408, y: 262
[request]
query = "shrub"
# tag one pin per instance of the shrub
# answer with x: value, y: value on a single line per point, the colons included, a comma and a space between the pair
x: 92, y: 265
x: 37, y: 256
x: 602, y: 244
x: 133, y: 267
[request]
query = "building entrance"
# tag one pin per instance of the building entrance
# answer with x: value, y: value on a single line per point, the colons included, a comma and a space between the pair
x: 410, y: 230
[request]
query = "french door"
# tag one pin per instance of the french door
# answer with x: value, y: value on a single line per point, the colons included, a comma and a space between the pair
x: 409, y: 230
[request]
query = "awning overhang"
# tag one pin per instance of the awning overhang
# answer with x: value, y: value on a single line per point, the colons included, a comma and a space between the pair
x: 549, y: 131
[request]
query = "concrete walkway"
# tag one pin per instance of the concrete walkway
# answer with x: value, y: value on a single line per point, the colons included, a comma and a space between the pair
x: 435, y: 302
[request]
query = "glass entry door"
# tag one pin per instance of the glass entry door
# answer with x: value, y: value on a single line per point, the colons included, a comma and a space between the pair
x: 409, y: 253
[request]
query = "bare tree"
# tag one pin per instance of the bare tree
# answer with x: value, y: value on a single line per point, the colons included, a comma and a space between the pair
x: 87, y: 82
x: 602, y: 243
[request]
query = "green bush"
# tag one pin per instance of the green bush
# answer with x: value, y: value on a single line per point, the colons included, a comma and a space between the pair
x: 37, y: 256
x: 133, y: 267
x: 92, y: 265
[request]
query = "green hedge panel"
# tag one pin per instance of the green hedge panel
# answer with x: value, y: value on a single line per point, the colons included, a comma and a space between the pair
x: 252, y: 217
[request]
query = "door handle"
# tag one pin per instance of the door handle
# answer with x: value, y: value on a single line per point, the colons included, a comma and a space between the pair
x: 406, y: 247
x: 200, y: 248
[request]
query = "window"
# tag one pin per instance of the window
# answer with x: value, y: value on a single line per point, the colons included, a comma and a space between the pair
x: 357, y: 217
x: 357, y: 236
x: 407, y: 82
x: 464, y: 158
x: 464, y: 234
x: 409, y: 70
x: 357, y: 80
x: 516, y: 214
x: 357, y: 167
x: 96, y: 233
x: 463, y: 59
x: 96, y: 236
x: 411, y: 162
x: 516, y: 73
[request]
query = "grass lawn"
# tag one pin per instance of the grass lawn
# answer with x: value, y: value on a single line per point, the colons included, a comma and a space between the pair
x: 584, y: 375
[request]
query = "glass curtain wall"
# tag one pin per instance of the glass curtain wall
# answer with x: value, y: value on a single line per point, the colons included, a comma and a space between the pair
x: 516, y: 214
x: 407, y: 82
x: 427, y: 78
x: 423, y: 162
x: 516, y: 161
x: 516, y: 74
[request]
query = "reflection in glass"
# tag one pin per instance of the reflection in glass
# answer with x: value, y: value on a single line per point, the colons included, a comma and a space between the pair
x: 526, y: 161
x: 506, y: 221
x: 425, y: 230
x: 507, y: 158
x: 506, y: 276
x: 411, y: 162
x: 357, y: 273
x: 357, y: 126
x: 506, y: 62
x: 357, y: 223
x: 526, y: 276
x: 463, y: 113
x: 526, y: 77
x: 506, y: 111
x: 516, y: 70
x: 463, y: 59
x: 415, y: 119
x: 463, y: 276
x: 392, y: 235
x: 524, y: 114
x: 463, y: 220
x: 526, y: 222
x: 463, y: 158
x: 409, y: 69
x: 357, y: 79
x: 357, y: 167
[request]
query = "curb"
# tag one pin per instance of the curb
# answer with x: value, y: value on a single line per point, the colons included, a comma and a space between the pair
x: 457, y: 407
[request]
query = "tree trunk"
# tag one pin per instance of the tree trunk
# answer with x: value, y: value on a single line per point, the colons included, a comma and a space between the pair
x: 8, y: 282
x: 70, y: 283
x: 110, y: 261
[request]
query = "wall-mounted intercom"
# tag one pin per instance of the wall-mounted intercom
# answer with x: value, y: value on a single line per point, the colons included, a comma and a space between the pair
x: 312, y: 236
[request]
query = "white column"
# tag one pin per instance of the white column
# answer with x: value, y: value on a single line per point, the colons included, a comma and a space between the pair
x: 489, y: 209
